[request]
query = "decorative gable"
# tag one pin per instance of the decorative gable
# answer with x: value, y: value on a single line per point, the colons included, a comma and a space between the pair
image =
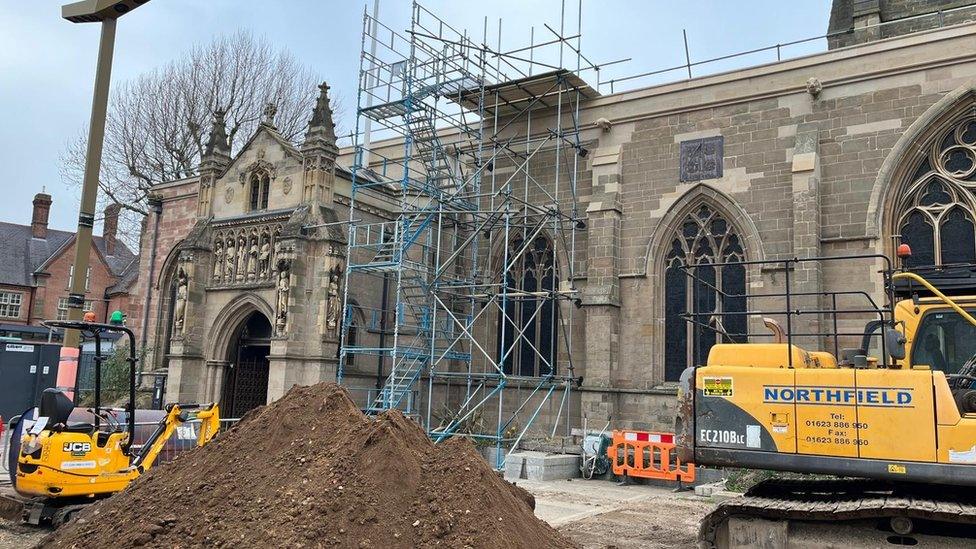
x: 264, y: 168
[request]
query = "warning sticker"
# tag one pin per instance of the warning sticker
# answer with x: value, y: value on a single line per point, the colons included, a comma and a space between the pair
x: 717, y: 387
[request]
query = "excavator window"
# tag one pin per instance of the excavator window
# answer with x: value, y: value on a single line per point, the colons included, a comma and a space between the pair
x: 944, y: 341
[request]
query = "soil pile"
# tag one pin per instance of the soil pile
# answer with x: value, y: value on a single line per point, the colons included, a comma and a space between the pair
x: 310, y: 470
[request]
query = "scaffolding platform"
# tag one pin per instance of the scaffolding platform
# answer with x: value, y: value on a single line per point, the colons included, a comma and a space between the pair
x: 541, y: 91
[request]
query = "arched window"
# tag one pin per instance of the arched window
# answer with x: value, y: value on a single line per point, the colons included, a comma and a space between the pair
x: 353, y: 318
x: 703, y: 240
x: 260, y: 188
x: 937, y: 211
x: 527, y: 330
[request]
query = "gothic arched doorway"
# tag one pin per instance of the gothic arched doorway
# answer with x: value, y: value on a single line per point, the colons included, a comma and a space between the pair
x: 246, y: 379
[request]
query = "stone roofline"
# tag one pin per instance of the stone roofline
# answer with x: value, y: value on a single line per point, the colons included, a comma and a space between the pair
x: 836, y: 67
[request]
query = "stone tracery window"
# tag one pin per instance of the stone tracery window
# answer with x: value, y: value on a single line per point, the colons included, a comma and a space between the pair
x: 703, y: 239
x: 260, y: 190
x: 534, y: 271
x: 937, y: 210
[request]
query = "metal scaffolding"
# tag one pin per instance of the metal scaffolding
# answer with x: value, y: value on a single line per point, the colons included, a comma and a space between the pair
x: 490, y: 158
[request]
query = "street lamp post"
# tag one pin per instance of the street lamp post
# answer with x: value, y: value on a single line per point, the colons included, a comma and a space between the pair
x: 106, y: 12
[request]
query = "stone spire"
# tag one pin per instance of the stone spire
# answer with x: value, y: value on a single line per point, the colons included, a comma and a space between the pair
x: 320, y: 152
x: 217, y: 143
x: 213, y: 163
x: 321, y: 128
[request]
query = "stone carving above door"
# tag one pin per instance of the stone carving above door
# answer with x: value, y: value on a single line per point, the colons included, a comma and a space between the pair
x: 245, y: 256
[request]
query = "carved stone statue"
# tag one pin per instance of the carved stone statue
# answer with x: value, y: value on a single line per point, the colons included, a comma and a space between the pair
x: 264, y: 259
x: 284, y: 282
x: 218, y: 260
x: 241, y: 257
x: 230, y: 256
x: 252, y: 257
x: 182, y: 280
x: 333, y: 304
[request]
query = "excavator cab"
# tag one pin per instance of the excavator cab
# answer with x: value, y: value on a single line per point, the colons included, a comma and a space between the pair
x: 64, y: 465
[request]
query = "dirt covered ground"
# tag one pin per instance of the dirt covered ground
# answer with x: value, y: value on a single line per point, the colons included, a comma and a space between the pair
x: 310, y: 470
x: 14, y: 535
x: 594, y: 515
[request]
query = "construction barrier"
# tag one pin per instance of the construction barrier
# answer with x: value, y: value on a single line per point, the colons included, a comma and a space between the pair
x: 647, y: 455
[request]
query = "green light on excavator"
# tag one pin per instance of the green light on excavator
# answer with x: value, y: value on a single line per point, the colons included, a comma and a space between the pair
x: 117, y: 318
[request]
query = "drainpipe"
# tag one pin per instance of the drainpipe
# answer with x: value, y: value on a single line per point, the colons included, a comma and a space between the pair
x: 156, y: 206
x: 379, y: 356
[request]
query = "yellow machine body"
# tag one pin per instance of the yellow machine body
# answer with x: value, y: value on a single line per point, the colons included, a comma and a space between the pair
x: 62, y: 462
x: 754, y: 406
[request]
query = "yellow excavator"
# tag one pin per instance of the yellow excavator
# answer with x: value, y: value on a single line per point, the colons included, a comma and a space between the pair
x: 887, y: 430
x: 62, y: 466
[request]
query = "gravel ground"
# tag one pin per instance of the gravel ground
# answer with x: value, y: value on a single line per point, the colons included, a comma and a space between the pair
x: 14, y: 535
x: 657, y: 523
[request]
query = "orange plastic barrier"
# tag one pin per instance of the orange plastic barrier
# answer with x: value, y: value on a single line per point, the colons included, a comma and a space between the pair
x: 647, y: 455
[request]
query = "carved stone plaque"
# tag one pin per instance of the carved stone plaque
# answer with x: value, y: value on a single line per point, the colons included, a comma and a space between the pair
x: 229, y: 195
x: 702, y: 158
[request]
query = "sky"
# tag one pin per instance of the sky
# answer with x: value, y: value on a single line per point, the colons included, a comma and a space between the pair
x: 47, y: 64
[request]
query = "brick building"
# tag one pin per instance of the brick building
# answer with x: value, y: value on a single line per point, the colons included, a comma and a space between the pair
x: 37, y: 270
x: 841, y: 152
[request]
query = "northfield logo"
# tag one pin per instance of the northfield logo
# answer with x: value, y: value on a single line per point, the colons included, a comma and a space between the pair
x: 895, y: 397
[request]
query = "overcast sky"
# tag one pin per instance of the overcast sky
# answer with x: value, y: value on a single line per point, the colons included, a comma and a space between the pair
x: 47, y: 64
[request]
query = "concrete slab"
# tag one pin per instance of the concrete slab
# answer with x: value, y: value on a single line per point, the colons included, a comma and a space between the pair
x: 541, y: 466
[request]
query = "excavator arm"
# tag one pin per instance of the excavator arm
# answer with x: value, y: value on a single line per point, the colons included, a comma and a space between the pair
x: 207, y: 414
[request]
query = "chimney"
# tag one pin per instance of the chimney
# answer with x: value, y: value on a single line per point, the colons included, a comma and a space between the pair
x: 42, y: 208
x: 110, y: 226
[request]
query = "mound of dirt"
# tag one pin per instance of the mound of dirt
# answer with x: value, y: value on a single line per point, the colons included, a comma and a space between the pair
x: 310, y: 470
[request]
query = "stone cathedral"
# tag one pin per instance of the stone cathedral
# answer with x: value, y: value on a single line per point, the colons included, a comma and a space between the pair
x: 847, y: 151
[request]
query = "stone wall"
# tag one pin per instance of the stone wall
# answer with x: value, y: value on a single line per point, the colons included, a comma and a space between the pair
x: 859, y: 21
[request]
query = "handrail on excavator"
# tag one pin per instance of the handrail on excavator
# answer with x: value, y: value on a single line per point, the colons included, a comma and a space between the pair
x: 935, y: 291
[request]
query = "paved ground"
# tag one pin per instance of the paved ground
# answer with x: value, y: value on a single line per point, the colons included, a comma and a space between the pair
x: 597, y: 514
x: 601, y: 514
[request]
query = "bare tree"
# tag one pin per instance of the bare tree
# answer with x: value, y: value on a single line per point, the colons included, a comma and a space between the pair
x: 158, y: 123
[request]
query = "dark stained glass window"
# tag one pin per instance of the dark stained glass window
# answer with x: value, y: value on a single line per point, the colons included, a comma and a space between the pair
x: 937, y: 212
x: 703, y: 240
x: 526, y: 342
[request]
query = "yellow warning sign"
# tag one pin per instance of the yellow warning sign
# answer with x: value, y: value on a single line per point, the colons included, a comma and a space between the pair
x: 898, y: 469
x: 717, y: 387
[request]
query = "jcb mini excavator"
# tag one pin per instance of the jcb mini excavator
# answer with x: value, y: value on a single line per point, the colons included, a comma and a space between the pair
x: 63, y: 466
x: 890, y: 426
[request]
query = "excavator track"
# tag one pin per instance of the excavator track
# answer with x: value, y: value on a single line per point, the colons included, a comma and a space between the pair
x: 782, y: 513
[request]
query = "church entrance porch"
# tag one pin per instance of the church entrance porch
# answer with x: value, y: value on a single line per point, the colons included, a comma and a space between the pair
x: 245, y: 384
